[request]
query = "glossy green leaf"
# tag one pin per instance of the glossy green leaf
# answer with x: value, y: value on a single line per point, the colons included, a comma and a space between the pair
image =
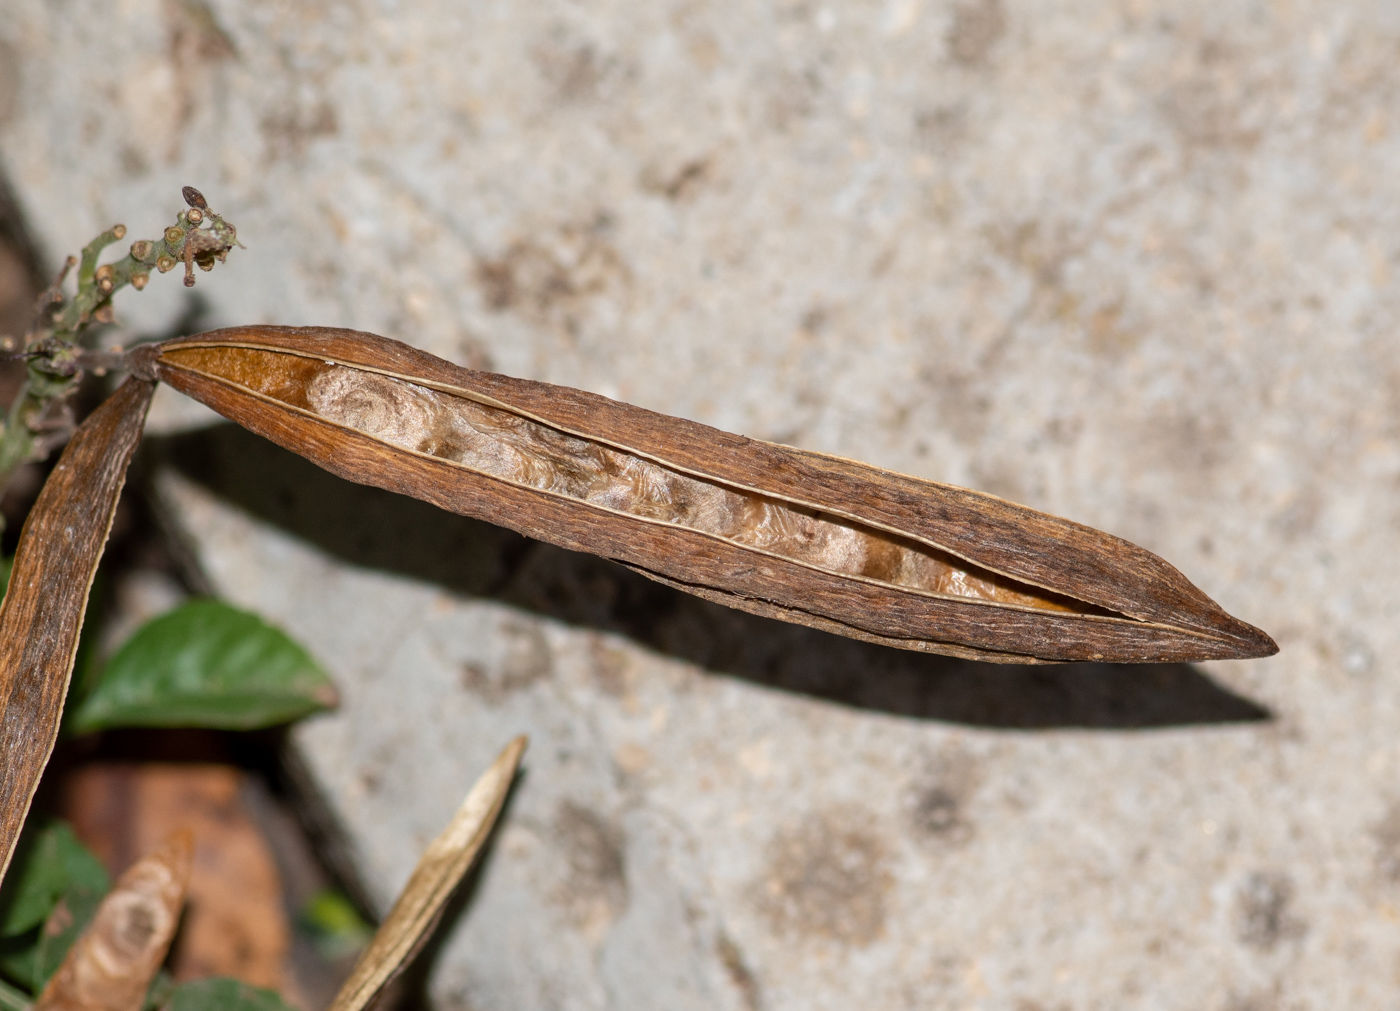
x: 206, y: 664
x: 48, y: 862
x: 221, y: 994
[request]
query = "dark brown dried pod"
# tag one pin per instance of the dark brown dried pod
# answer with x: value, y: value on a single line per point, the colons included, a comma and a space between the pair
x: 54, y: 565
x: 765, y: 528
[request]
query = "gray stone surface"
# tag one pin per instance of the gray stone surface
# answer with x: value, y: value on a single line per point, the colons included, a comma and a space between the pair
x: 1133, y: 263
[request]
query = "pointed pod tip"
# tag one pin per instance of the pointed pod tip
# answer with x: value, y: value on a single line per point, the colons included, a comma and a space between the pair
x: 501, y: 772
x: 1251, y: 643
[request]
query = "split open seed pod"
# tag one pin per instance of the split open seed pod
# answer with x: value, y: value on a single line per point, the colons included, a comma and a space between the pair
x: 770, y: 529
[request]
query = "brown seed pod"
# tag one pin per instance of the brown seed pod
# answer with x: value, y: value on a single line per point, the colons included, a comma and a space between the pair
x: 42, y: 615
x: 765, y: 528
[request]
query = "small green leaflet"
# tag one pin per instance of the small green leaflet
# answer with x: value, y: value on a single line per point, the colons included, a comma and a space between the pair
x: 48, y: 862
x: 206, y: 664
x: 221, y: 994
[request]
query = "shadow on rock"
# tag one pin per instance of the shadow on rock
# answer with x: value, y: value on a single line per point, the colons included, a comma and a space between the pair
x: 376, y: 529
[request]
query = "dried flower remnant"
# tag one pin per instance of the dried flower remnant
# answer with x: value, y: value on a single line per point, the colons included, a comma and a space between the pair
x: 769, y: 529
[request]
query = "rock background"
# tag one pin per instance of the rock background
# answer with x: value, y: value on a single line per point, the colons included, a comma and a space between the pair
x: 1128, y: 262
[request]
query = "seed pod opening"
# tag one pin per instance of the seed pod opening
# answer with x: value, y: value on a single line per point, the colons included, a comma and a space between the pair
x: 766, y: 528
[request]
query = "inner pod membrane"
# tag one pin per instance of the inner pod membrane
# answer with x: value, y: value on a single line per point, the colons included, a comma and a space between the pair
x: 525, y: 452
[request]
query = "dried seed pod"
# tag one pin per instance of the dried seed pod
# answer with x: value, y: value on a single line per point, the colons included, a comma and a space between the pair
x: 777, y: 531
x: 112, y: 963
x: 441, y: 867
x: 42, y: 615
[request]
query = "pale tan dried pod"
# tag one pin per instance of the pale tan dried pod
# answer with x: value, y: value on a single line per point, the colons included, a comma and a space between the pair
x: 112, y: 963
x: 443, y: 864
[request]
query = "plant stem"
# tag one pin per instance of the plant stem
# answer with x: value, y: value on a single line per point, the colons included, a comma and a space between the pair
x: 54, y: 348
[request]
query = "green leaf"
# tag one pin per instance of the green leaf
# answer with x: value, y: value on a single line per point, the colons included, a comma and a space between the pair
x: 6, y: 563
x: 48, y: 862
x: 220, y: 994
x: 68, y: 919
x: 31, y: 958
x: 206, y: 664
x: 17, y: 955
x: 333, y: 925
x: 160, y: 991
x: 51, y: 892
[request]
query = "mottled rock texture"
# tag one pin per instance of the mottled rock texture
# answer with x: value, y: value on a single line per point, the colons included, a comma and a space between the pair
x: 1130, y: 262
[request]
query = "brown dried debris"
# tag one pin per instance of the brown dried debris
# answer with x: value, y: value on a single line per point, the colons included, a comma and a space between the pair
x: 111, y: 965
